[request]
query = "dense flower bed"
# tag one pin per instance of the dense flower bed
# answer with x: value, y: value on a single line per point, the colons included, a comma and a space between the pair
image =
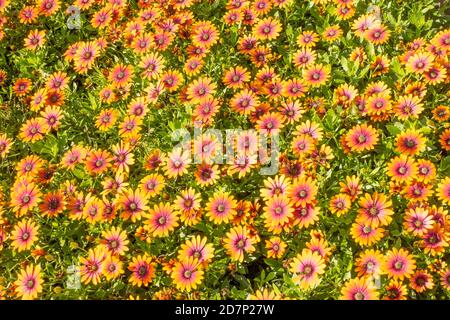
x: 338, y: 186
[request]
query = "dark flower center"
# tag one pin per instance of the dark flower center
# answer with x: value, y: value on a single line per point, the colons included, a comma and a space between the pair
x: 142, y: 271
x: 26, y: 199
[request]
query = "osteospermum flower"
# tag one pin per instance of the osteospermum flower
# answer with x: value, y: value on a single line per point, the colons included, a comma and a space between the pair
x: 98, y: 161
x: 38, y: 99
x: 237, y: 242
x: 142, y: 270
x: 35, y: 39
x: 332, y: 33
x: 267, y: 29
x: 197, y: 248
x: 445, y: 279
x: 28, y: 14
x: 275, y: 186
x: 364, y: 23
x: 417, y: 221
x: 395, y: 290
x: 307, y: 39
x: 236, y: 77
x: 5, y: 145
x: 302, y: 145
x: 188, y: 201
x: 361, y: 137
x: 264, y: 294
x: 420, y: 62
x: 220, y: 207
x: 443, y: 191
x: 421, y: 281
x: 410, y: 142
x: 340, y: 204
x: 375, y: 209
x: 206, y: 174
x: 378, y: 34
x: 275, y: 247
x: 365, y: 235
x: 92, y: 210
x: 73, y: 156
x: 106, y: 119
x: 399, y: 264
x: 29, y: 282
x: 316, y: 75
x: 304, y: 58
x: 369, y: 262
x: 277, y: 210
x: 359, y: 289
x: 121, y: 74
x: 205, y: 34
x: 91, y: 266
x: 24, y: 235
x: 33, y: 130
x: 25, y: 198
x: 303, y: 191
x: 48, y: 7
x: 112, y: 268
x: 161, y: 219
x: 402, y: 168
x: 152, y: 184
x: 441, y: 113
x: 53, y: 204
x: 115, y: 241
x: 152, y: 65
x: 201, y: 88
x: 177, y: 163
x: 85, y: 55
x: 304, y: 216
x: 123, y: 157
x: 426, y: 170
x: 22, y: 86
x: 307, y: 268
x: 186, y: 274
x: 408, y: 106
x: 444, y: 139
x: 244, y: 102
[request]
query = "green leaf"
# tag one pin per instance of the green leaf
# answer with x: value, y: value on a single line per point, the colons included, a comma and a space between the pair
x: 393, y: 129
x: 444, y: 167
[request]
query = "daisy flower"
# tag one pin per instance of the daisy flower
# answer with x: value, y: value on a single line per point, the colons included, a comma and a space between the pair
x: 307, y: 268
x: 402, y: 168
x: 220, y: 207
x: 24, y: 235
x: 369, y: 262
x: 359, y: 289
x: 267, y: 29
x: 277, y: 210
x: 316, y: 75
x: 302, y: 191
x: 237, y: 242
x: 142, y: 270
x: 91, y: 266
x: 399, y: 264
x: 161, y: 220
x: 197, y: 248
x: 421, y: 281
x: 29, y: 282
x: 375, y: 209
x: 443, y: 190
x: 275, y: 248
x: 186, y: 274
x: 115, y: 241
x: 177, y: 163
